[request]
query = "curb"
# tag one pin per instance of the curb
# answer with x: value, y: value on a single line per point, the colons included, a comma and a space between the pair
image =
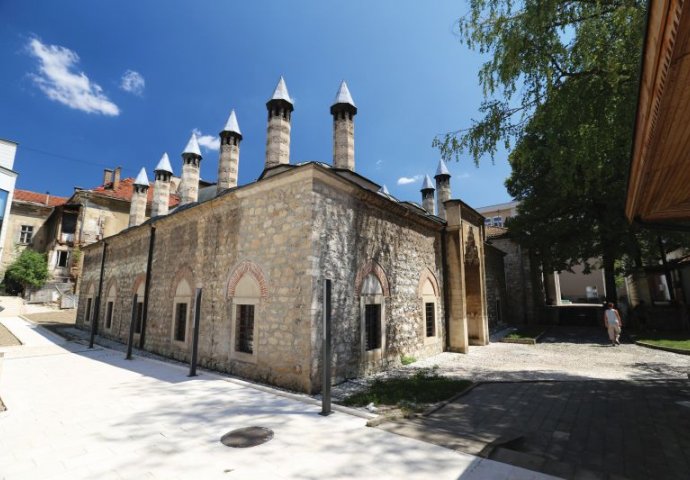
x: 659, y: 347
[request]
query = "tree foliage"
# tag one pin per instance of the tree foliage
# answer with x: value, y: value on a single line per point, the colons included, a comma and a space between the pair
x: 560, y: 89
x: 29, y: 270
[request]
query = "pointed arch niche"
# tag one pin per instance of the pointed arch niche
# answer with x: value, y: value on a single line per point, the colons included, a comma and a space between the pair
x: 183, y: 297
x: 371, y: 285
x: 247, y: 290
x: 110, y: 300
x: 429, y: 295
x: 88, y: 303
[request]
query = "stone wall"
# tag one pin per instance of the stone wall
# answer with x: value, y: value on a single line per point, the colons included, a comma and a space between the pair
x: 266, y: 224
x: 520, y: 282
x: 289, y: 231
x: 496, y: 301
x: 354, y: 233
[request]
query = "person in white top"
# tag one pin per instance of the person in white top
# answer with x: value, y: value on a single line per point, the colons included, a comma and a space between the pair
x: 613, y: 322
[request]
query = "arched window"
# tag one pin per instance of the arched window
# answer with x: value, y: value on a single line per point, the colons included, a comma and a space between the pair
x: 429, y: 295
x: 88, y: 308
x: 181, y: 308
x: 110, y: 306
x: 429, y: 309
x: 139, y: 318
x: 246, y: 297
x: 373, y: 315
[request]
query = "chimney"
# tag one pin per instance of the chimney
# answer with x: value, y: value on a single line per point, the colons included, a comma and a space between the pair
x: 107, y: 176
x: 279, y: 116
x: 442, y: 188
x: 116, y: 178
x: 229, y: 160
x: 344, y: 111
x: 161, y: 187
x: 191, y: 161
x: 428, y: 195
x: 137, y: 209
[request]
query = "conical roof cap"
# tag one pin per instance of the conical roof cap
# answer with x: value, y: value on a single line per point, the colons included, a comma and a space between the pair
x: 427, y: 185
x: 281, y: 91
x: 442, y: 169
x: 384, y: 190
x: 164, y: 164
x: 232, y: 125
x: 343, y: 95
x: 142, y: 179
x: 192, y: 146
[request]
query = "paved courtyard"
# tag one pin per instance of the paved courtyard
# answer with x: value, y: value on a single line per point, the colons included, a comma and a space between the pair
x: 75, y: 413
x: 572, y: 407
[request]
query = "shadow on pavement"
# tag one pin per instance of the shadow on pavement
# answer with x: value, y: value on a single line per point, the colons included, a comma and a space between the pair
x: 600, y: 428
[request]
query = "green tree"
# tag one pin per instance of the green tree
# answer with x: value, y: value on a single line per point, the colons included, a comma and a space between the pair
x: 560, y: 89
x: 29, y: 270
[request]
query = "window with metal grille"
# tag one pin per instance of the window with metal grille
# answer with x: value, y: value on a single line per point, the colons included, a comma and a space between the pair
x: 139, y: 318
x: 87, y: 318
x: 180, y: 321
x: 430, y: 316
x: 372, y: 326
x: 245, y: 329
x: 26, y: 234
x: 109, y: 315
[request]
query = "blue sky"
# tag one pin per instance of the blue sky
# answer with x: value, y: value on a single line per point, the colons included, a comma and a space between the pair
x: 90, y: 85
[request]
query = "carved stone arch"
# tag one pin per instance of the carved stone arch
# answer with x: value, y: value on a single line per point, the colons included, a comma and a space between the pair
x: 471, y: 250
x: 138, y: 282
x: 372, y: 267
x: 109, y: 286
x: 183, y: 273
x: 428, y: 275
x: 89, y: 288
x: 251, y: 268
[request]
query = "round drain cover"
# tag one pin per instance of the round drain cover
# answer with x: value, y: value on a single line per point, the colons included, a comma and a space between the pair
x: 246, y: 437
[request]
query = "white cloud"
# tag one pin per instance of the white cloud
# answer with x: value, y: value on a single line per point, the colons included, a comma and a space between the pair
x: 464, y: 175
x: 379, y: 164
x: 408, y: 180
x: 209, y: 142
x: 133, y: 82
x: 57, y: 78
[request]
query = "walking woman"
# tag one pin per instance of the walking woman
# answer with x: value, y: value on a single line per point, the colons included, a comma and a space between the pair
x: 613, y: 322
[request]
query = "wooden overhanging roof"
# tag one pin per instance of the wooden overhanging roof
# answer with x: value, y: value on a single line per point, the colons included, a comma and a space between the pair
x: 659, y: 180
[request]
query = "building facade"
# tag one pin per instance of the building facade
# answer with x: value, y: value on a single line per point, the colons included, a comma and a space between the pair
x: 406, y: 280
x: 8, y: 178
x: 28, y: 227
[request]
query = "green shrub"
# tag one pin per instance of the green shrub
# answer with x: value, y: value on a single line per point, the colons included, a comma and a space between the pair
x: 29, y: 270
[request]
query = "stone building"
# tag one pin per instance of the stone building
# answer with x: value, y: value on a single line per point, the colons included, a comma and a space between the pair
x: 91, y: 214
x: 27, y: 225
x: 407, y: 279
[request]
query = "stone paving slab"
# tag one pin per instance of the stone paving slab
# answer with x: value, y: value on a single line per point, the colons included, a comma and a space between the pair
x: 75, y: 413
x: 601, y: 429
x: 6, y: 337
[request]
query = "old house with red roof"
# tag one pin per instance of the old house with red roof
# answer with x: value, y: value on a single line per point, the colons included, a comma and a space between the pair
x: 27, y: 223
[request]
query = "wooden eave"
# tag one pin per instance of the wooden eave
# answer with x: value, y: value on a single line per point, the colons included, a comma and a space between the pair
x: 659, y: 179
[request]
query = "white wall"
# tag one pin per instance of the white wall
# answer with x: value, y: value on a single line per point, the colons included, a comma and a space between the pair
x: 8, y: 178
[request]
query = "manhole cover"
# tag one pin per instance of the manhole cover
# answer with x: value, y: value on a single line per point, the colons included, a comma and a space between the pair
x: 246, y: 437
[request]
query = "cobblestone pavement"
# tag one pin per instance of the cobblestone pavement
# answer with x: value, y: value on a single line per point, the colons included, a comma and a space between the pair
x: 571, y: 406
x: 601, y: 429
x: 576, y: 353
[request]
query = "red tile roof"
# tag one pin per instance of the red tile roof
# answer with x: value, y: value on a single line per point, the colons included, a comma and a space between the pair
x: 39, y: 198
x: 126, y: 188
